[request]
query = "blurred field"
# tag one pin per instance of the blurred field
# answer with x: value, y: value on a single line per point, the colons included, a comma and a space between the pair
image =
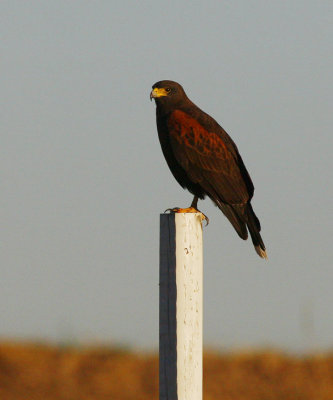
x: 36, y: 372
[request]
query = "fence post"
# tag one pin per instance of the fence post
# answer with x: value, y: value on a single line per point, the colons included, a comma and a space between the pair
x: 181, y: 307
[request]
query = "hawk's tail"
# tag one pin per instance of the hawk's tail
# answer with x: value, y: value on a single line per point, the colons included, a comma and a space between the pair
x: 235, y: 217
x: 254, y: 228
x: 243, y: 219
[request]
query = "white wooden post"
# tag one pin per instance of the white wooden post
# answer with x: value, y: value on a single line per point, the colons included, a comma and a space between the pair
x: 181, y: 286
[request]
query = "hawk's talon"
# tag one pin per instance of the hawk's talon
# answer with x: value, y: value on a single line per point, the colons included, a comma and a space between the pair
x: 205, y: 218
x: 170, y: 210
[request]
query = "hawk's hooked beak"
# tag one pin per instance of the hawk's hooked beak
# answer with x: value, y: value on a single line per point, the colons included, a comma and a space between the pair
x: 158, y: 92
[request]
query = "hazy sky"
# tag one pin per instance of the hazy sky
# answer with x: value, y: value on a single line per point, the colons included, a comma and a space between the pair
x: 83, y: 178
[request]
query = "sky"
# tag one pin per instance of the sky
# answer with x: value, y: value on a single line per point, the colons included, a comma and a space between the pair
x: 83, y: 179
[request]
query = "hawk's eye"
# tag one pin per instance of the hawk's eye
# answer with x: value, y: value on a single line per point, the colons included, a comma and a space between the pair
x: 168, y: 90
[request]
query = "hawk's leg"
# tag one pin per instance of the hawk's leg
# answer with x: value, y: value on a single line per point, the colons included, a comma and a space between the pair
x: 194, y: 203
x: 192, y: 209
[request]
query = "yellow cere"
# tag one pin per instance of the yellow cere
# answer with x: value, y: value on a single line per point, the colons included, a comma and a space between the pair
x: 159, y: 92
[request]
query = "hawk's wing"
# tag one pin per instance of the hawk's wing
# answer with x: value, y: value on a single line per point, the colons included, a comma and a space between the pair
x: 209, y: 160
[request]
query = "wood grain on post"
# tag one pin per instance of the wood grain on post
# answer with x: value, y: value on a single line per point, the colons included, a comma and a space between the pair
x: 181, y: 309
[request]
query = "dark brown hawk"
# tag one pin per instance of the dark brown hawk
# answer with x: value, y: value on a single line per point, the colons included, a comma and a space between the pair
x: 204, y: 159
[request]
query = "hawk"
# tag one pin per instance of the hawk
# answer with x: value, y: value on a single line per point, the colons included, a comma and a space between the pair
x: 205, y: 160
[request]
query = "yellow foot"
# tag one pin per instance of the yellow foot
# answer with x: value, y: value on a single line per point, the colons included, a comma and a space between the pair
x: 182, y: 210
x: 188, y: 210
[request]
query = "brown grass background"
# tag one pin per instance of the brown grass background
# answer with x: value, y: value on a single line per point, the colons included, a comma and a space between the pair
x: 41, y: 372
